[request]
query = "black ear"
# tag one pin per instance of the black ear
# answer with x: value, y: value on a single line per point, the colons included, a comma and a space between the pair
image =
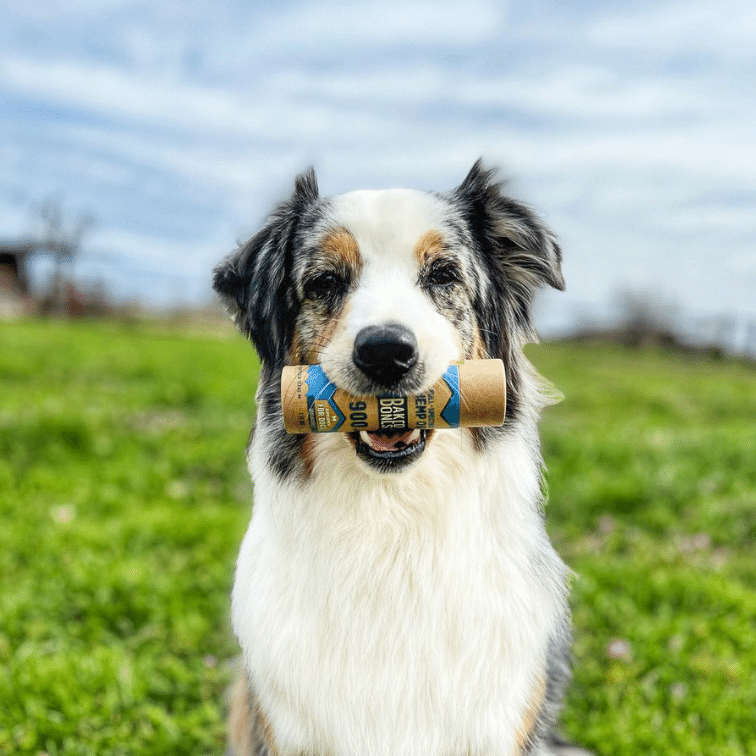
x: 516, y: 237
x: 253, y: 282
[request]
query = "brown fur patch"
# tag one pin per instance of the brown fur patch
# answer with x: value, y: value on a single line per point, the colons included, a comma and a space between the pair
x: 429, y: 246
x: 297, y: 350
x: 529, y: 721
x: 308, y: 354
x: 341, y: 247
x: 240, y: 721
x: 477, y: 350
x: 264, y: 731
x: 305, y: 351
x: 308, y: 453
x: 313, y: 331
x: 249, y: 731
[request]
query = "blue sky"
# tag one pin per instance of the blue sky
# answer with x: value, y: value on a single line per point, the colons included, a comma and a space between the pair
x: 631, y: 126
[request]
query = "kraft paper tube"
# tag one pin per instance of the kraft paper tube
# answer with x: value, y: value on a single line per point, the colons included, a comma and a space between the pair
x: 471, y: 394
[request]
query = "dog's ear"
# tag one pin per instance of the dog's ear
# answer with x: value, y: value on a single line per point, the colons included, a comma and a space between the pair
x: 510, y: 232
x: 252, y: 282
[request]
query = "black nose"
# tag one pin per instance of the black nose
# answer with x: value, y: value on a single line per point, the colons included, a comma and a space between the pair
x: 385, y: 352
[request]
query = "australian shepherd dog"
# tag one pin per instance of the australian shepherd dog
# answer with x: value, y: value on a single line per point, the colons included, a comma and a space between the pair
x: 397, y: 594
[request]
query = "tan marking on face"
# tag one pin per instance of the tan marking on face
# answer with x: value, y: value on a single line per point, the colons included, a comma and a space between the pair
x: 429, y: 246
x: 339, y: 246
x: 307, y: 351
x: 309, y: 354
x: 340, y: 250
x: 323, y: 339
x: 532, y: 712
x: 477, y: 349
x: 297, y: 351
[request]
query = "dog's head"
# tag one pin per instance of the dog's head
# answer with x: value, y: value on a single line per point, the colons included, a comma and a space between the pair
x: 385, y: 289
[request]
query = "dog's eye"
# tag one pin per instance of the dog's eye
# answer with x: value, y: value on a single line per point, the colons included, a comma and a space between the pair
x: 324, y: 285
x: 442, y: 275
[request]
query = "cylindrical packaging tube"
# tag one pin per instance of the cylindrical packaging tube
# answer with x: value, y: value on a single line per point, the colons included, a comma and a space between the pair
x: 470, y: 393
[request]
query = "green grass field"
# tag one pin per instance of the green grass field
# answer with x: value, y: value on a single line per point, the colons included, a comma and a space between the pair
x: 124, y: 496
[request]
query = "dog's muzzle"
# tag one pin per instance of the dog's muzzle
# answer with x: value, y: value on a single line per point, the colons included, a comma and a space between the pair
x: 386, y: 354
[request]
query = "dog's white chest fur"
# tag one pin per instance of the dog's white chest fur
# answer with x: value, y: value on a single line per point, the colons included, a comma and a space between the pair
x: 399, y: 615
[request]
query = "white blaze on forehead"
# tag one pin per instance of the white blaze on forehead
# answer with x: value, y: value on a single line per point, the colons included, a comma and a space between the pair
x: 387, y: 226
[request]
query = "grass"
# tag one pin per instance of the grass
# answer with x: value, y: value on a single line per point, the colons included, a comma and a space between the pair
x: 124, y: 495
x: 651, y: 464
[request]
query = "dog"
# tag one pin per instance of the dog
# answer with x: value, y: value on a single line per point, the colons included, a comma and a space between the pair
x: 396, y: 594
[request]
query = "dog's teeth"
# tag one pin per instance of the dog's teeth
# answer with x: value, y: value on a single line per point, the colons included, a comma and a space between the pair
x: 388, y: 441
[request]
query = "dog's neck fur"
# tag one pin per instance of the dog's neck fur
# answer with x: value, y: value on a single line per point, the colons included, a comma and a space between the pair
x: 416, y: 607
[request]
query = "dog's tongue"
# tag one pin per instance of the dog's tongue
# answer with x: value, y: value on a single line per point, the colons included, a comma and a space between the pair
x: 384, y: 442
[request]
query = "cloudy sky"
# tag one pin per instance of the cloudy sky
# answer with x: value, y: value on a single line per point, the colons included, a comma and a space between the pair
x: 631, y: 126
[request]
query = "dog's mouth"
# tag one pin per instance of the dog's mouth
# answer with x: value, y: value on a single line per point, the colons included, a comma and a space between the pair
x: 390, y: 451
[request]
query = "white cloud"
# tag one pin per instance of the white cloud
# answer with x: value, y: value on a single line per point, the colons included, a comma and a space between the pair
x: 723, y: 29
x: 113, y: 92
x: 391, y: 23
x: 619, y: 122
x: 260, y: 111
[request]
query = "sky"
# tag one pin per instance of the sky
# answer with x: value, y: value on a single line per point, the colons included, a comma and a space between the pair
x: 630, y: 126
